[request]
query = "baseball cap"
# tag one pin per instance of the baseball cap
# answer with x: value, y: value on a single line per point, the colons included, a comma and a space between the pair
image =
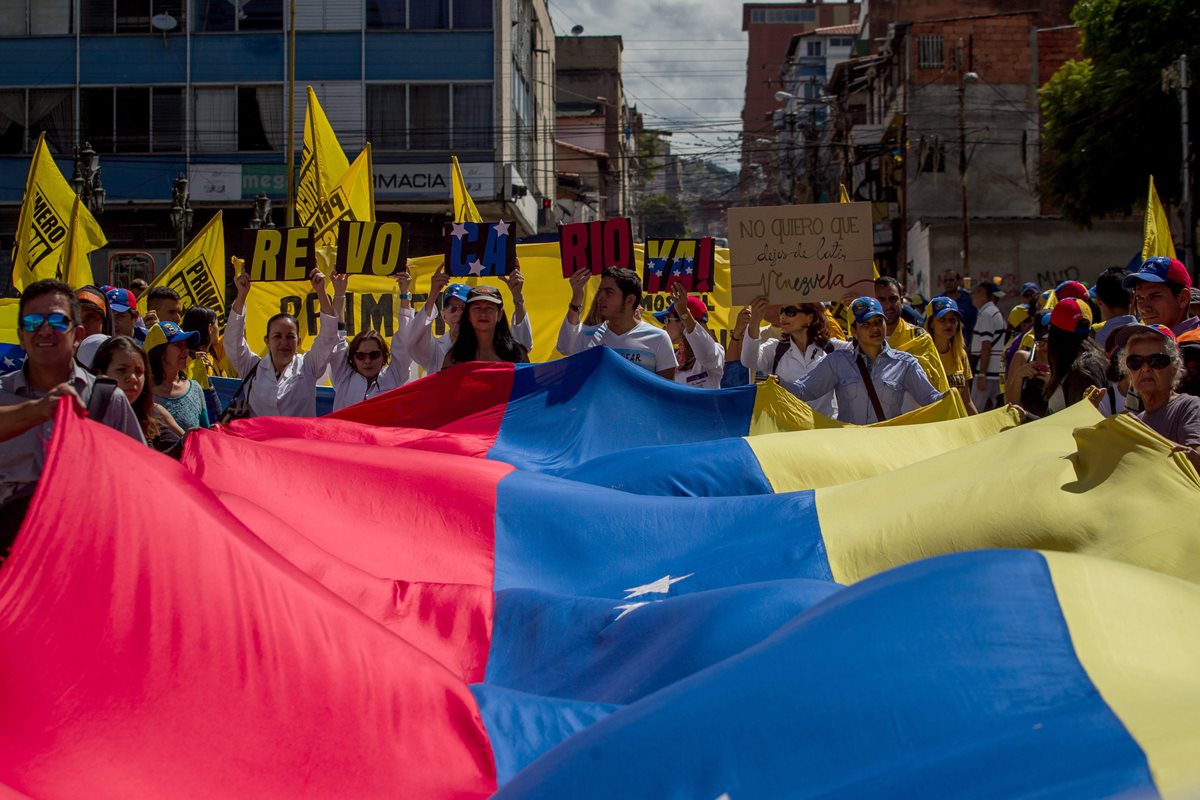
x: 168, y: 332
x: 486, y: 294
x: 121, y: 300
x: 1019, y: 315
x: 1159, y: 269
x: 696, y: 308
x: 85, y: 354
x: 459, y: 290
x: 1071, y: 315
x: 941, y: 306
x: 1030, y: 287
x: 93, y: 297
x: 865, y: 308
x: 1071, y: 289
x: 1123, y: 334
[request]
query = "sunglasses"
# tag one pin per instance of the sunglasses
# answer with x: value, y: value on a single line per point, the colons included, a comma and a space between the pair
x: 1156, y: 361
x: 367, y: 355
x: 791, y: 311
x: 31, y: 323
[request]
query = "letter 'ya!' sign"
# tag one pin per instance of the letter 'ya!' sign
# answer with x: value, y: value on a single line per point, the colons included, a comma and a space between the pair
x: 371, y: 248
x: 280, y: 254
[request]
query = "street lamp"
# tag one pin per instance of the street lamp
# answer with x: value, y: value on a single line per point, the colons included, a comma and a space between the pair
x: 965, y: 76
x: 86, y: 179
x: 181, y: 210
x: 262, y: 213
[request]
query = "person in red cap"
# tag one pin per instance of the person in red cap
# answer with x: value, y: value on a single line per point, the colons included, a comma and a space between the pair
x: 700, y: 358
x: 1071, y: 290
x: 1151, y: 358
x: 1076, y: 363
x: 1162, y: 288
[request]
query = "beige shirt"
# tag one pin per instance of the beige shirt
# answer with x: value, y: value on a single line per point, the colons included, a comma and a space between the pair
x: 22, y: 457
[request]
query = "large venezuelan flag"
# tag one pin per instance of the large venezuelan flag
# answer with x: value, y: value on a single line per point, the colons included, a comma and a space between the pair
x: 433, y: 605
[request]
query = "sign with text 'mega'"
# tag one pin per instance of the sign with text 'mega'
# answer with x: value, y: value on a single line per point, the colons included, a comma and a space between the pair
x: 805, y: 253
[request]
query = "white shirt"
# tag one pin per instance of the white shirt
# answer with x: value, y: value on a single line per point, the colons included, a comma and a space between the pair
x: 350, y: 387
x: 989, y: 327
x: 645, y: 345
x: 709, y: 367
x: 758, y: 356
x: 430, y: 351
x: 293, y: 393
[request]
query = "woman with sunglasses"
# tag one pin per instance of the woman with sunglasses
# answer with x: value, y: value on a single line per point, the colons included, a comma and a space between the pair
x: 700, y: 359
x: 945, y: 325
x: 364, y: 367
x: 1151, y: 358
x: 804, y: 342
x: 484, y: 335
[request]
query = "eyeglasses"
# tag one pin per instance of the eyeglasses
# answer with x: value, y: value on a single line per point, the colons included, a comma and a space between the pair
x: 791, y: 311
x: 671, y: 319
x: 31, y: 323
x: 367, y: 355
x: 1156, y: 361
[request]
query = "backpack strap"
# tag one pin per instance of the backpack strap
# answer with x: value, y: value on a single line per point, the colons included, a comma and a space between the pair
x: 780, y: 350
x: 102, y: 395
x: 866, y: 376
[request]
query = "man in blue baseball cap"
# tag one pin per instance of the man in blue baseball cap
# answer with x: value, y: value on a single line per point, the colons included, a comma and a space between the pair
x: 870, y: 380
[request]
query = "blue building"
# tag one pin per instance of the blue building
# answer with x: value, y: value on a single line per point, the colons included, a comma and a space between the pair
x: 163, y: 88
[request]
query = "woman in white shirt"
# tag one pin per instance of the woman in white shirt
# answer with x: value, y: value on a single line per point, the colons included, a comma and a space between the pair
x: 363, y: 368
x: 804, y: 343
x: 283, y: 383
x: 700, y: 359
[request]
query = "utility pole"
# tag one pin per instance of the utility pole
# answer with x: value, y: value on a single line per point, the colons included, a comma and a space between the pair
x: 965, y: 75
x: 291, y: 88
x: 1189, y: 218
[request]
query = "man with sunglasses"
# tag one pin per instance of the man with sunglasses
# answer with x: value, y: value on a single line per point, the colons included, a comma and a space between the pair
x: 49, y: 328
x: 1151, y: 358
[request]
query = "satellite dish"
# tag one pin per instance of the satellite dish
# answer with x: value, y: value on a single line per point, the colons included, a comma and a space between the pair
x: 577, y: 30
x: 164, y: 22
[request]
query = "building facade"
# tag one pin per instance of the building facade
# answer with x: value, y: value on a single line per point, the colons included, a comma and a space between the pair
x: 163, y: 88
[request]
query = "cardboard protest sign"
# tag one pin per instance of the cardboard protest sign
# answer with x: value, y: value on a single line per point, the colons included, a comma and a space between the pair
x: 597, y: 245
x: 280, y: 254
x: 688, y: 262
x: 371, y: 248
x: 478, y: 249
x: 806, y: 253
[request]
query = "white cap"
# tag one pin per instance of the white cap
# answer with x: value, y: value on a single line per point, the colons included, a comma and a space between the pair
x: 85, y: 354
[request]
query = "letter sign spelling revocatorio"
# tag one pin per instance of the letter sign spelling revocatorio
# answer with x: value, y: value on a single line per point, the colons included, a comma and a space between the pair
x: 280, y: 254
x: 597, y: 245
x: 371, y: 248
x: 480, y: 249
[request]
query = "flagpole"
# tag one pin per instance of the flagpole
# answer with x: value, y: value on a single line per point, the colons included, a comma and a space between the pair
x: 291, y: 147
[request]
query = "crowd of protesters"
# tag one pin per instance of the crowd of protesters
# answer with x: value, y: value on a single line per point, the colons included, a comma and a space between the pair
x: 1131, y: 343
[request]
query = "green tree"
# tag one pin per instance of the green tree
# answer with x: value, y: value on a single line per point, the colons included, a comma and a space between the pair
x: 663, y: 217
x: 1107, y: 123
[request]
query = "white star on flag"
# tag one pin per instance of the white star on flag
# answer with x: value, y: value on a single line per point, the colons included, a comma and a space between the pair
x: 9, y: 363
x: 501, y: 228
x: 657, y: 265
x: 660, y: 586
x: 625, y: 609
x: 460, y: 230
x: 474, y: 267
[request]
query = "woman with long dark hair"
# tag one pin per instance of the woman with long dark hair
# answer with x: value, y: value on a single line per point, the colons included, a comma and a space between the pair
x: 484, y: 334
x: 803, y: 343
x: 1076, y: 362
x: 699, y: 358
x: 123, y: 361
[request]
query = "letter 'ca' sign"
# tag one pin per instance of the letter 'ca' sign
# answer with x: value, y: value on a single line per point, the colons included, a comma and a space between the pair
x: 597, y: 245
x: 280, y: 254
x: 371, y: 248
x: 480, y: 249
x: 806, y: 253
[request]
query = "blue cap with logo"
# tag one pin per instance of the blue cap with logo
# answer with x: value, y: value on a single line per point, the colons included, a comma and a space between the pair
x: 457, y: 290
x: 865, y: 308
x: 1159, y: 269
x: 941, y: 306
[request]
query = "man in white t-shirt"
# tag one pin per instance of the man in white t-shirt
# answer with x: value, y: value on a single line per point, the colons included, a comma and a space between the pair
x: 621, y: 329
x: 987, y: 345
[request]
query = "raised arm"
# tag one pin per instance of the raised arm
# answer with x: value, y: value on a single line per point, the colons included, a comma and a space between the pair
x: 317, y: 358
x: 237, y: 350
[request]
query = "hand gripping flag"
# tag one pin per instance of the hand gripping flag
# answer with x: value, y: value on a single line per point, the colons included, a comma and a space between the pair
x: 48, y: 215
x: 464, y: 206
x: 1156, y: 230
x: 198, y: 272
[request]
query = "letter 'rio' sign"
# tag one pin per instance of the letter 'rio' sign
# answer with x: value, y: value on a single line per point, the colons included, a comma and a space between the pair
x: 371, y: 248
x: 280, y: 254
x: 597, y: 245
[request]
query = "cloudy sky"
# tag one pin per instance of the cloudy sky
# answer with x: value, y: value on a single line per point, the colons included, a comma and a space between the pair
x: 684, y: 64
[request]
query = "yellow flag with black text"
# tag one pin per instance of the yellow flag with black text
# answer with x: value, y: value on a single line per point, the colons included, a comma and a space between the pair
x: 464, y: 206
x: 322, y: 162
x: 352, y: 199
x: 198, y: 273
x: 45, y: 223
x: 77, y: 270
x: 1156, y: 233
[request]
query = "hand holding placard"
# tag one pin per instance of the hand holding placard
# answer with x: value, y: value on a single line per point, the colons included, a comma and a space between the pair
x: 596, y: 245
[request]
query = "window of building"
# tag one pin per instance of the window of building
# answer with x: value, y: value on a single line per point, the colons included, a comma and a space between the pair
x: 387, y: 116
x: 35, y: 17
x: 387, y: 14
x: 841, y: 42
x: 238, y: 15
x: 429, y: 14
x: 429, y: 120
x: 930, y: 52
x: 774, y: 16
x: 472, y: 129
x: 96, y: 118
x: 814, y: 49
x: 128, y: 16
x: 167, y: 120
x: 260, y: 118
x: 472, y: 14
x: 24, y: 114
x: 430, y: 116
x: 229, y: 119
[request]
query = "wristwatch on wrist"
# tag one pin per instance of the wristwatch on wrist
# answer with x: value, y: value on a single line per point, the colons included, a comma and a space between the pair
x: 577, y: 309
x: 404, y: 295
x: 341, y: 326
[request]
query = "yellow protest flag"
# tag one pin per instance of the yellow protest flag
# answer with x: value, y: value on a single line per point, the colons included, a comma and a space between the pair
x: 351, y: 200
x: 464, y: 206
x: 45, y: 221
x: 77, y: 270
x: 198, y: 273
x: 322, y: 162
x: 1156, y: 231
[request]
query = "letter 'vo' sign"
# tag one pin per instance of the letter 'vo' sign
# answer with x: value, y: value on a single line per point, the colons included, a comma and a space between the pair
x: 597, y: 245
x: 371, y: 248
x: 806, y: 253
x: 280, y: 254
